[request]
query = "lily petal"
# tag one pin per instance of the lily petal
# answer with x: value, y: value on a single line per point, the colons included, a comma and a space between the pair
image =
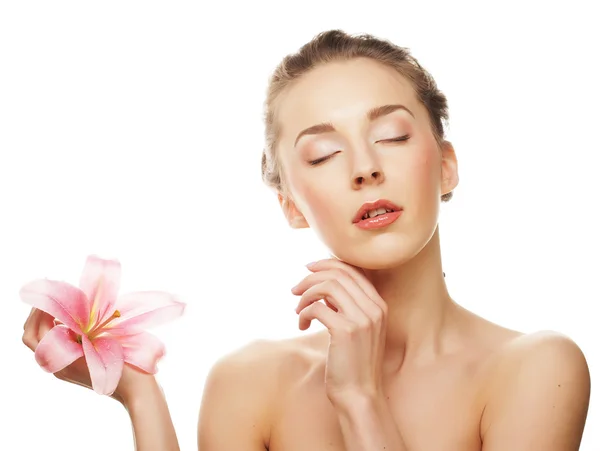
x: 58, y: 349
x: 142, y: 350
x: 104, y: 358
x: 144, y: 309
x: 63, y: 301
x: 100, y: 281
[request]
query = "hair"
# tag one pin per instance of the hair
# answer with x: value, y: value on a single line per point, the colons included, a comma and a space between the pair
x: 336, y: 45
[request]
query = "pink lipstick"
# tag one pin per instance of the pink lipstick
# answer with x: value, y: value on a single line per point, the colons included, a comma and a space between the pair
x: 376, y: 215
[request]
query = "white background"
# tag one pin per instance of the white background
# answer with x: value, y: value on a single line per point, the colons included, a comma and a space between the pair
x: 134, y: 130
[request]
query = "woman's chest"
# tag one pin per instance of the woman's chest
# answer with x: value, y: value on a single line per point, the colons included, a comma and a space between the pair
x: 432, y: 411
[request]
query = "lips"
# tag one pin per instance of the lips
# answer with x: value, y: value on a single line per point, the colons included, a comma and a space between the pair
x: 370, y: 207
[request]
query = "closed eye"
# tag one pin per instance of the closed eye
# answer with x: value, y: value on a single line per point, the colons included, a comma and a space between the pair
x: 391, y: 140
x: 322, y: 159
x: 395, y: 140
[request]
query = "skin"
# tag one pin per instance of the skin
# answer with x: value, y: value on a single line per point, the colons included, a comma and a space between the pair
x: 137, y: 391
x: 400, y: 366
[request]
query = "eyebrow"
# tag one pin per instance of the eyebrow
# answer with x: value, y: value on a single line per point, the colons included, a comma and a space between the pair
x: 372, y: 114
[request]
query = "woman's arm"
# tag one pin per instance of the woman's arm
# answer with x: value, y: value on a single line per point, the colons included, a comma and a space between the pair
x: 137, y: 391
x: 367, y: 423
x: 147, y: 407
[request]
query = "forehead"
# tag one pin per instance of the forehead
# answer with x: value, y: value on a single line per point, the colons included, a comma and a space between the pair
x: 342, y: 91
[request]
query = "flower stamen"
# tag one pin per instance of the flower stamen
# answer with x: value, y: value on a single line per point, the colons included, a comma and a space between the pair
x: 98, y: 329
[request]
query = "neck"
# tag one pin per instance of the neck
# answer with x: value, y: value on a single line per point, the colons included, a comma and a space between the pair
x: 420, y: 310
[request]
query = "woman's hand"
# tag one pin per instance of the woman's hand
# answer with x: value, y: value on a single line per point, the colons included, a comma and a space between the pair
x: 132, y: 380
x: 355, y: 316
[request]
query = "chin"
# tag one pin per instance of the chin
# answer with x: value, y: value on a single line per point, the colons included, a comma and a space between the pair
x: 380, y: 253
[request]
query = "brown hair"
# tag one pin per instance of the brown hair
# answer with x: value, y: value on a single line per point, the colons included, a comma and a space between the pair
x: 336, y: 45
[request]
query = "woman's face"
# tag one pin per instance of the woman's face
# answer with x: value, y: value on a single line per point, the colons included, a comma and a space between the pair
x: 354, y: 133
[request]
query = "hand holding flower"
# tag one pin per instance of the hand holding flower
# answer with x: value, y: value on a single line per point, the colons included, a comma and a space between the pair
x: 68, y: 323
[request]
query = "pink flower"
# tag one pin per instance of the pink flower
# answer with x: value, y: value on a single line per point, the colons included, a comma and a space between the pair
x: 92, y: 322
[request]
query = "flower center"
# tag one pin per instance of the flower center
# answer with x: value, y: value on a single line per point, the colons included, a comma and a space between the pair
x: 98, y: 329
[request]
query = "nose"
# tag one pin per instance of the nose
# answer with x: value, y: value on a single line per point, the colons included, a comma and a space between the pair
x: 367, y: 172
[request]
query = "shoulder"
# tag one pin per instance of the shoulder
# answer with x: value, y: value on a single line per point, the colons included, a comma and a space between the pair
x: 251, y: 369
x: 241, y: 393
x: 539, y: 380
x: 252, y: 378
x: 548, y: 353
x: 554, y: 344
x: 266, y: 362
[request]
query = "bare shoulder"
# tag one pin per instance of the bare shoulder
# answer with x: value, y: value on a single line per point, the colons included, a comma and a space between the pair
x: 242, y: 390
x: 540, y: 380
x: 547, y: 352
x: 544, y: 345
x: 506, y: 350
x: 257, y: 369
x: 268, y: 363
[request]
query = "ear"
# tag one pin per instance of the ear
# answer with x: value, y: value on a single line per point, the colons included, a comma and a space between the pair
x: 295, y: 219
x: 449, y: 168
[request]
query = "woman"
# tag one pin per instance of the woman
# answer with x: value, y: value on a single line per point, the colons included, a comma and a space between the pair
x: 356, y: 151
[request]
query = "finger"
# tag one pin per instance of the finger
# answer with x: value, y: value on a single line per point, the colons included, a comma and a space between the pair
x: 355, y: 273
x: 323, y: 314
x: 330, y: 305
x: 333, y: 292
x: 27, y: 321
x: 30, y: 336
x: 37, y: 325
x: 315, y: 278
x: 76, y: 373
x: 366, y: 305
x: 45, y: 323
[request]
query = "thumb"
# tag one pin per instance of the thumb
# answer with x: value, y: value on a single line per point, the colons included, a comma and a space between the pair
x: 37, y: 325
x: 45, y: 323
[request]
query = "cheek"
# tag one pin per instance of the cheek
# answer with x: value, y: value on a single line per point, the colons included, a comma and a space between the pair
x: 310, y: 193
x: 424, y: 200
x: 319, y: 202
x: 426, y: 170
x: 315, y: 202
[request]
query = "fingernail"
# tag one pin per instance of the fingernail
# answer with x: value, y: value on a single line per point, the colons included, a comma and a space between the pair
x: 311, y: 264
